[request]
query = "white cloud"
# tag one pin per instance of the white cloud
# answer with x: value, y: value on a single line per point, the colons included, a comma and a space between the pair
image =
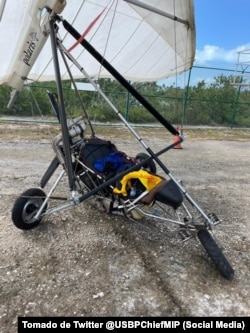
x: 215, y: 54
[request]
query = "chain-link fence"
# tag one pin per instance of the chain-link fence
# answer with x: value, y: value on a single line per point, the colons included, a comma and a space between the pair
x: 209, y: 96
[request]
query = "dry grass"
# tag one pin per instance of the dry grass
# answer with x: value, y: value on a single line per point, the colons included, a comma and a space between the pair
x: 40, y: 131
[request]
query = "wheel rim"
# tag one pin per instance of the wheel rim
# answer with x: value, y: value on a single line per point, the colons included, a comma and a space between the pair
x: 30, y: 209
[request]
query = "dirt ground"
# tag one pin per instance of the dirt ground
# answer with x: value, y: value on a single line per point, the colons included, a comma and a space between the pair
x: 81, y: 262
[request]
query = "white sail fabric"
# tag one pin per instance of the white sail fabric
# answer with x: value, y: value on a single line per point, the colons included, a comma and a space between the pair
x: 148, y: 40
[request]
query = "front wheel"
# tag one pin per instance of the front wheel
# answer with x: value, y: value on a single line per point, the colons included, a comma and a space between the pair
x: 215, y: 253
x: 26, y: 207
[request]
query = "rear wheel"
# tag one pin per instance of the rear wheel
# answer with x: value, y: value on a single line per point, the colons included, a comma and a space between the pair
x: 215, y: 253
x: 149, y: 165
x: 26, y: 207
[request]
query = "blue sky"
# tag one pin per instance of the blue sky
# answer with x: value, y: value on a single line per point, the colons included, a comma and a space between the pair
x: 222, y: 29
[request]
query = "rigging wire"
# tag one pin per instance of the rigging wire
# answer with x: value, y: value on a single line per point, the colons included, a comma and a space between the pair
x: 176, y: 72
x: 175, y: 47
x: 109, y: 33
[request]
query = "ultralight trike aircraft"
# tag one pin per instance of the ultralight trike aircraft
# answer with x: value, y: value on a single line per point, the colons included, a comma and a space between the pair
x: 158, y: 36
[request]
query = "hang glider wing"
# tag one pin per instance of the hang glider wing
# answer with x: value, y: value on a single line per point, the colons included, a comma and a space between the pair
x: 144, y: 40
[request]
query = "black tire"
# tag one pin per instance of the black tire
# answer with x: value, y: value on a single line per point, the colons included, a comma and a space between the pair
x: 26, y: 207
x: 150, y: 165
x: 215, y: 253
